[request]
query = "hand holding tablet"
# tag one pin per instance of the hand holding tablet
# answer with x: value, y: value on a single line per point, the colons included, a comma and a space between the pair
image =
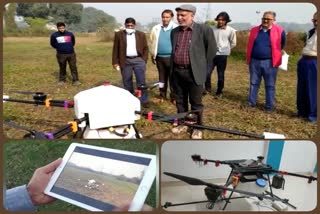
x: 103, y: 179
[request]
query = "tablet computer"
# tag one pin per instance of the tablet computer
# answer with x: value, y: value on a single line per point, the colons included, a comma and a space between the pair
x: 102, y: 179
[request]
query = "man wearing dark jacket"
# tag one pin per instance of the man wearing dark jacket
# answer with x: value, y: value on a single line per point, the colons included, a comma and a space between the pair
x: 193, y: 46
x: 63, y: 41
x: 130, y: 54
x: 307, y: 76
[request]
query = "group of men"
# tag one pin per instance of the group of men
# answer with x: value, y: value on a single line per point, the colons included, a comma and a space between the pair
x: 186, y: 54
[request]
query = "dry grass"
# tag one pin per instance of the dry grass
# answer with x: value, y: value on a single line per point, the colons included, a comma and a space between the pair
x: 30, y: 65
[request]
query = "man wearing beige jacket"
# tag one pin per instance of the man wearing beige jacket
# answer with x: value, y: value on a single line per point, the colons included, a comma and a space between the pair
x: 161, y: 48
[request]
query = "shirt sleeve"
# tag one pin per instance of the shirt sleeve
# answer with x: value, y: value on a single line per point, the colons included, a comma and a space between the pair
x: 18, y: 199
x: 73, y: 40
x: 283, y: 39
x: 53, y: 41
x: 233, y: 39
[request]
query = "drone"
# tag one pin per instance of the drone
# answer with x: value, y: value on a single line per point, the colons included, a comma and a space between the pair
x: 248, y: 177
x: 109, y: 112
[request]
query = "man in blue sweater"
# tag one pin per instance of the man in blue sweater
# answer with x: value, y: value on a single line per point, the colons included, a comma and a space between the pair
x: 64, y: 41
x: 264, y: 51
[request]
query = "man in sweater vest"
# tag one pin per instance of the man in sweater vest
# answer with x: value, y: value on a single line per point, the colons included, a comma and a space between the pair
x: 307, y: 77
x: 63, y: 41
x: 160, y: 49
x: 264, y: 52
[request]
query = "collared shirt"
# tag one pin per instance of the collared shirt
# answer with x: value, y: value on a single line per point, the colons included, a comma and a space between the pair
x: 131, y: 45
x: 311, y: 45
x: 181, y: 56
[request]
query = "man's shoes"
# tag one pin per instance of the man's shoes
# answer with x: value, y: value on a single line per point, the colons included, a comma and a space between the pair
x: 173, y: 101
x: 179, y: 129
x: 218, y: 96
x: 269, y: 110
x: 196, y: 134
x: 159, y: 100
x: 61, y: 83
x: 312, y: 119
x: 250, y: 105
x: 145, y: 105
x: 76, y: 82
x: 206, y: 91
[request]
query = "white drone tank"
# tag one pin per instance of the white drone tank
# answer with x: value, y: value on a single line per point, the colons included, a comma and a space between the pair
x: 107, y: 106
x: 259, y: 186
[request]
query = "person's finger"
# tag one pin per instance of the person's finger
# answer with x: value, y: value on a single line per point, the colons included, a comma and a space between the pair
x: 51, y: 166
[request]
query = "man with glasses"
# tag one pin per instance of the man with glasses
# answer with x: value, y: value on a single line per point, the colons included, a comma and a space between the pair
x: 130, y: 54
x: 307, y: 76
x: 264, y: 53
x: 193, y: 46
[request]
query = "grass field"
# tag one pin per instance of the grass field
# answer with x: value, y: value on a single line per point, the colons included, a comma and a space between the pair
x: 21, y: 158
x: 110, y: 190
x: 30, y: 65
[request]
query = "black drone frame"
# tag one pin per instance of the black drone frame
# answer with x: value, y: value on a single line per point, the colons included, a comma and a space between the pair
x: 40, y: 98
x: 256, y: 167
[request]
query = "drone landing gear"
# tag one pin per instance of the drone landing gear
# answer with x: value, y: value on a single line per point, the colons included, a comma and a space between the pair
x: 285, y: 202
x: 210, y: 204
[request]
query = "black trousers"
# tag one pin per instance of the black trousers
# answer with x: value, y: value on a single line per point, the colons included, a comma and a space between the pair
x: 186, y: 90
x: 71, y: 59
x: 219, y: 61
x: 163, y: 66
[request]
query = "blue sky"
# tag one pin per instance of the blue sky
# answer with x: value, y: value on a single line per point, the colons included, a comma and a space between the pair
x: 239, y: 12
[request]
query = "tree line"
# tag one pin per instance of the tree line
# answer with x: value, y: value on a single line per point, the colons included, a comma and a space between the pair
x: 77, y: 17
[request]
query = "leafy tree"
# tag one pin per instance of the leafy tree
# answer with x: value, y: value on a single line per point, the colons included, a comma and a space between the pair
x: 93, y: 19
x: 210, y: 22
x: 34, y: 10
x: 40, y: 10
x: 24, y: 9
x: 9, y: 22
x: 69, y: 13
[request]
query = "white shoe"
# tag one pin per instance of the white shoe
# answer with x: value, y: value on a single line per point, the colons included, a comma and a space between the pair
x: 179, y: 129
x: 196, y: 134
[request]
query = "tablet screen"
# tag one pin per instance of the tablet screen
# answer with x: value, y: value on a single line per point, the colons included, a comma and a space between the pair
x: 101, y: 179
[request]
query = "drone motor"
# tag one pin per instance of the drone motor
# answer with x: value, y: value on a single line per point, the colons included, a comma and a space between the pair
x: 212, y: 194
x: 191, y: 118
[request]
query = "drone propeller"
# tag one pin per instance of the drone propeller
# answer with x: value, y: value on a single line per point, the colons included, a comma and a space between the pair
x: 177, y: 116
x: 37, y: 96
x: 149, y: 85
x: 23, y: 92
x: 32, y: 133
x: 195, y: 181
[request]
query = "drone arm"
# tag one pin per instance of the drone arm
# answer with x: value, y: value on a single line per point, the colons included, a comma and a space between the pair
x: 46, y: 102
x: 198, y: 158
x: 310, y: 178
x: 229, y: 131
x: 66, y: 129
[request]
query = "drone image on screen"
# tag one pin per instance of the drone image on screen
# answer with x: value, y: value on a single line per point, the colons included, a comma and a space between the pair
x: 248, y: 177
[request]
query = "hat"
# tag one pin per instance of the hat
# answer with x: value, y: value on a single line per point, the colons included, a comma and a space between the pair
x: 187, y: 7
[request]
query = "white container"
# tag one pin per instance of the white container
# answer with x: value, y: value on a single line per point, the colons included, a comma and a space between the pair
x: 253, y: 186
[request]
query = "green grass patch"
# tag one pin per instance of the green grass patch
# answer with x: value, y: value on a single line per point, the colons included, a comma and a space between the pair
x: 30, y: 65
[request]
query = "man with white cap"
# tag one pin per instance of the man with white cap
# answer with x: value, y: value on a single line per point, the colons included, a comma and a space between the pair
x: 193, y: 46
